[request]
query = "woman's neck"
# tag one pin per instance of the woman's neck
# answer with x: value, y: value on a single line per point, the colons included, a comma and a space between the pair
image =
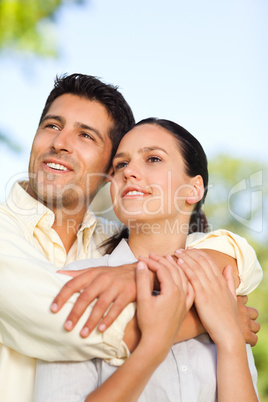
x: 162, y: 241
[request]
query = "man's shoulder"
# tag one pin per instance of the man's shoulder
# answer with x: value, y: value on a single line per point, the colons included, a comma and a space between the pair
x: 10, y: 221
x: 6, y: 212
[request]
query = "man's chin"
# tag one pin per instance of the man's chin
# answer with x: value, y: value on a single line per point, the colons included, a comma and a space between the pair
x: 69, y: 202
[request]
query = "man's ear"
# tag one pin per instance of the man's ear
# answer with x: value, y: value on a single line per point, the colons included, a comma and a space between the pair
x: 197, y: 191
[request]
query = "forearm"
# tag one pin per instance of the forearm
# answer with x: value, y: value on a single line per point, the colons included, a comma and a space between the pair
x: 233, y: 375
x: 130, y: 379
x: 28, y: 284
x: 161, y: 314
x: 26, y: 323
x: 216, y: 306
x: 190, y: 327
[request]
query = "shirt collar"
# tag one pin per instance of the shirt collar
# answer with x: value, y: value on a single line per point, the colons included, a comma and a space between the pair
x: 29, y: 210
x: 122, y: 254
x: 33, y: 213
x: 87, y: 228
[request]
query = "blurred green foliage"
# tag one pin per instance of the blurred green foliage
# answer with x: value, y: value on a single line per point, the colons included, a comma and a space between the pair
x: 238, y: 200
x: 29, y: 25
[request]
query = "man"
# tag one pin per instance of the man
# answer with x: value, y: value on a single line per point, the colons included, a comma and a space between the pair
x: 46, y: 223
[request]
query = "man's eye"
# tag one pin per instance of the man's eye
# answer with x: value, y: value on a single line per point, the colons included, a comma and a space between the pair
x: 86, y: 135
x: 53, y: 126
x: 154, y: 159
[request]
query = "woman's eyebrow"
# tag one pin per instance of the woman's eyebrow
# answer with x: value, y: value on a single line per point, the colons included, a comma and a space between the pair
x: 152, y: 148
x: 140, y: 151
x: 121, y: 155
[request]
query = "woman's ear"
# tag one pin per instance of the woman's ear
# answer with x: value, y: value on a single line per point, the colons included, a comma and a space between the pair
x: 197, y: 191
x: 109, y: 175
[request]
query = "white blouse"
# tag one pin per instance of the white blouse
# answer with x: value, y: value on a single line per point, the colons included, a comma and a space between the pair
x: 188, y: 374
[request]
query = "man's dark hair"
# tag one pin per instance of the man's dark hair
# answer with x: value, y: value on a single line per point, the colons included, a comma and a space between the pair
x: 89, y: 87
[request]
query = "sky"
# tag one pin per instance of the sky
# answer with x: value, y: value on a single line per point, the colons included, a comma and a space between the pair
x: 202, y: 64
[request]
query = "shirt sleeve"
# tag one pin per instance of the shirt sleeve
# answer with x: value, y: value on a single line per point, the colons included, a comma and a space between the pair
x: 226, y: 242
x: 28, y: 284
x: 88, y: 262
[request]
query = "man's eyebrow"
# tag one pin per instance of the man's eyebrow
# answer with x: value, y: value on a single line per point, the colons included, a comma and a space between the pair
x: 53, y: 117
x: 142, y: 150
x: 62, y: 120
x: 89, y: 128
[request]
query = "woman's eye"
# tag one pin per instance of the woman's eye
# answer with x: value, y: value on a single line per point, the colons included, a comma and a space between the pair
x: 120, y: 165
x: 154, y: 159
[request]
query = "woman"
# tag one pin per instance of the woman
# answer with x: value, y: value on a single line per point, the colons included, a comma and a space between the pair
x: 158, y: 185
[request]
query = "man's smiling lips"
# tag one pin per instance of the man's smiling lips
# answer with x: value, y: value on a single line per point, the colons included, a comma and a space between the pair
x: 56, y: 166
x: 134, y: 192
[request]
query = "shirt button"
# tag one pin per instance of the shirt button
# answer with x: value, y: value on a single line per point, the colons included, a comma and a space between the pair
x: 184, y: 369
x: 59, y: 251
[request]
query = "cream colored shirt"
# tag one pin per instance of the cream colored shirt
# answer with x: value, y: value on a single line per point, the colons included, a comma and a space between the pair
x: 30, y: 253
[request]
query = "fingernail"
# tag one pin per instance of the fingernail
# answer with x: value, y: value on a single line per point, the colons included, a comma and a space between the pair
x: 169, y: 257
x: 84, y: 332
x: 54, y: 307
x: 102, y: 327
x: 141, y: 265
x: 68, y: 325
x: 181, y: 261
x: 180, y: 250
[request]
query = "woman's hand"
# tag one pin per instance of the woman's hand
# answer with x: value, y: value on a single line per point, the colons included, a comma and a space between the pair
x: 215, y: 301
x: 160, y: 316
x: 215, y: 297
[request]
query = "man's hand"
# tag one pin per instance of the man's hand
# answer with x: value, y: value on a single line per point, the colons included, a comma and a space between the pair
x: 111, y: 286
x: 247, y: 319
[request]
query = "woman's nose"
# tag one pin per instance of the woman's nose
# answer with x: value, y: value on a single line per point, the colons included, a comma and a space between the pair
x: 132, y: 171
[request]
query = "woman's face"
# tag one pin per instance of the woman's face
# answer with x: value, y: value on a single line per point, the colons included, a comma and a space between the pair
x: 149, y: 181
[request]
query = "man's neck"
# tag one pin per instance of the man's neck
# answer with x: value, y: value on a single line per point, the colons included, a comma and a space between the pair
x: 67, y: 227
x: 65, y: 224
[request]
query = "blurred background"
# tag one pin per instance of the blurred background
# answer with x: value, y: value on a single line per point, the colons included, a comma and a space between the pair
x: 201, y: 64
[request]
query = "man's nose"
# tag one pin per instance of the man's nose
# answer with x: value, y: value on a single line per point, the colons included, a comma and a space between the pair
x: 62, y: 141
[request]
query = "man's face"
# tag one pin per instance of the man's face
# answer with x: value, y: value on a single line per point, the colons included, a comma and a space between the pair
x: 70, y: 153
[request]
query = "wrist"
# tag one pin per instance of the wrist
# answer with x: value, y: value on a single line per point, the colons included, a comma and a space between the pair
x: 132, y: 334
x: 229, y: 344
x: 152, y: 351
